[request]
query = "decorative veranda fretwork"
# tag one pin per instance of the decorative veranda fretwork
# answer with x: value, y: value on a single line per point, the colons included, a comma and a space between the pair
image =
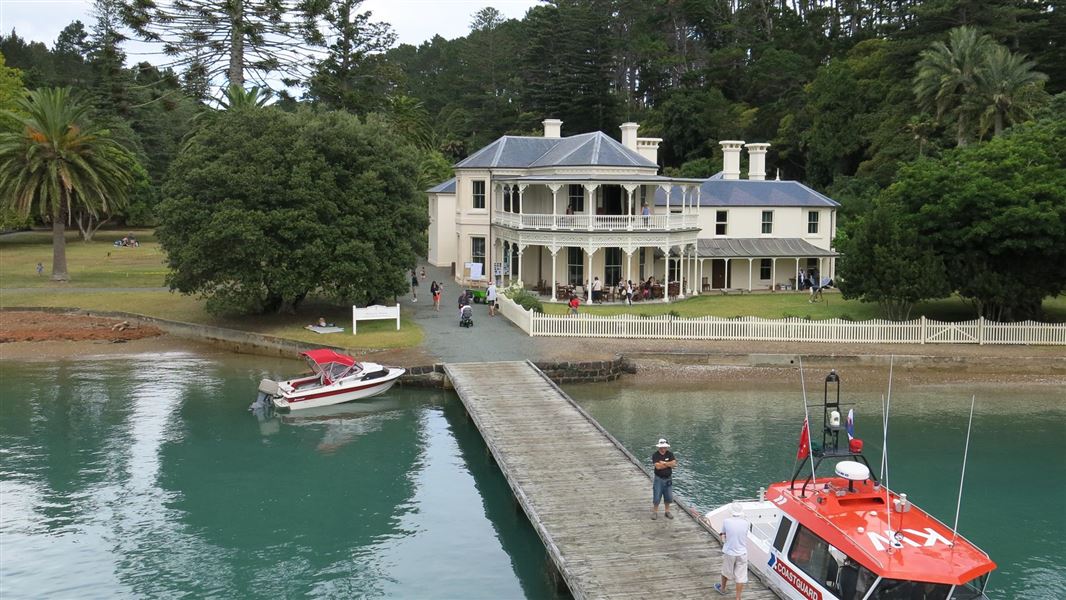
x: 628, y: 242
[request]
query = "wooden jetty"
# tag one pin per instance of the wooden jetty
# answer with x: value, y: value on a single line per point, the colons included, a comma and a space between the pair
x: 587, y: 497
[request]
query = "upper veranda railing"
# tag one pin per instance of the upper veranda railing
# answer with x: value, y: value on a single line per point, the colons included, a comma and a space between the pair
x: 596, y: 222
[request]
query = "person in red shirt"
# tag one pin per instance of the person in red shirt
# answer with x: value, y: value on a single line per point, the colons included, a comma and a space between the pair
x: 574, y: 303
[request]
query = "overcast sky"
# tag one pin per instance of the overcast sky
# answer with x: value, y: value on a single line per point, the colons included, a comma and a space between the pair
x: 413, y: 20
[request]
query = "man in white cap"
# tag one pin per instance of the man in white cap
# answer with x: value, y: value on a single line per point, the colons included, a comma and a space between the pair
x: 735, y: 551
x: 662, y: 483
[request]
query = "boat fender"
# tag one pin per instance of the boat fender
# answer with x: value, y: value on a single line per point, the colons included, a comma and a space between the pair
x: 834, y: 418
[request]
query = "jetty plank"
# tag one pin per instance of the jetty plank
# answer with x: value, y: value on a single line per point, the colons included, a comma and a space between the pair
x: 591, y: 510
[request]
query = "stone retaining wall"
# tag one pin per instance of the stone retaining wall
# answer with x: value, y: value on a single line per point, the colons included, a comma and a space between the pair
x: 565, y: 372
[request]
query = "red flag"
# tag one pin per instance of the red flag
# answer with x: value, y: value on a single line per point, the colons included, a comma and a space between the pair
x: 805, y: 442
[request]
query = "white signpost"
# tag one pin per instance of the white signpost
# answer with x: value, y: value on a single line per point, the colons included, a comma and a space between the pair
x: 376, y: 312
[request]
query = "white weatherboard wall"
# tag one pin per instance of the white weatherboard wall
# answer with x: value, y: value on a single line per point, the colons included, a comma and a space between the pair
x: 875, y: 331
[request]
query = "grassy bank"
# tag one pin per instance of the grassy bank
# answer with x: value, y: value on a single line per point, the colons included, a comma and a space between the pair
x: 105, y: 277
x: 791, y: 304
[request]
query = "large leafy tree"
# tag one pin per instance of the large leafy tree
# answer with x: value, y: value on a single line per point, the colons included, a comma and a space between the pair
x: 883, y: 259
x: 947, y: 77
x: 996, y: 213
x: 264, y: 208
x: 53, y: 160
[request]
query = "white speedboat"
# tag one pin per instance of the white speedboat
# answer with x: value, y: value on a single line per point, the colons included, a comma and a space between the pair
x: 336, y: 378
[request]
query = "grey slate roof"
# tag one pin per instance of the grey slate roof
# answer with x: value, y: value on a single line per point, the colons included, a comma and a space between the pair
x: 586, y: 149
x: 716, y: 191
x: 759, y: 248
x: 444, y: 187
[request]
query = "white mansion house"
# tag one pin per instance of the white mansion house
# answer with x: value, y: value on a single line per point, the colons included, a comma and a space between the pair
x: 553, y: 211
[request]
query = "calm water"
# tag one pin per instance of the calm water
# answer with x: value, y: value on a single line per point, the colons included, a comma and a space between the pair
x: 148, y: 478
x: 729, y: 440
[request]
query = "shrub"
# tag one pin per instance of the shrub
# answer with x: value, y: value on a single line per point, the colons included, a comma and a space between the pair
x: 526, y: 300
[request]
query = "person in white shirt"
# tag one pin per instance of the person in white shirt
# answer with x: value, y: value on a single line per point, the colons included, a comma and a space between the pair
x: 490, y: 298
x: 735, y: 551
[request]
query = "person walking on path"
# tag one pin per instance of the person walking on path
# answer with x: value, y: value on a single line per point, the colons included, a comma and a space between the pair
x: 663, y: 484
x: 735, y: 551
x: 423, y: 274
x: 414, y: 286
x: 490, y: 297
x: 435, y: 290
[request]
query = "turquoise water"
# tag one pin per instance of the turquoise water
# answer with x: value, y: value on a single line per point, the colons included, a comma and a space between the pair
x: 125, y: 477
x: 731, y: 439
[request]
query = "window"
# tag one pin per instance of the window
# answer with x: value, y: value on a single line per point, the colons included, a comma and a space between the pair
x: 767, y: 221
x: 721, y: 219
x: 811, y: 555
x: 479, y: 195
x: 477, y: 251
x: 782, y: 533
x: 643, y: 199
x: 612, y: 269
x: 812, y: 221
x: 506, y: 198
x: 514, y: 260
x: 642, y: 261
x: 889, y: 589
x: 575, y: 266
x: 766, y: 269
x: 577, y: 198
x: 675, y: 268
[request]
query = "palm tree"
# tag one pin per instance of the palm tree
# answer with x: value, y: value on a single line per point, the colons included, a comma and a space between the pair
x: 52, y: 159
x: 948, y: 76
x: 238, y: 98
x: 1009, y: 90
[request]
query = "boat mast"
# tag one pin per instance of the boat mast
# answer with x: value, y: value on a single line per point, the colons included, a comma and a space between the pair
x: 884, y: 451
x: 962, y: 477
x: 807, y: 421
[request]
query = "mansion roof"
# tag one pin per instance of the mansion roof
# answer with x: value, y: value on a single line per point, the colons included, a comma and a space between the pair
x: 759, y: 248
x: 444, y: 187
x: 717, y: 191
x: 586, y: 149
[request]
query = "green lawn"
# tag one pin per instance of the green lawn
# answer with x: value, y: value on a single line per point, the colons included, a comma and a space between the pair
x: 91, y: 264
x: 786, y: 304
x: 99, y: 264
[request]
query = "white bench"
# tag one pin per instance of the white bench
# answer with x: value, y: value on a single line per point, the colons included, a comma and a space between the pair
x: 377, y: 312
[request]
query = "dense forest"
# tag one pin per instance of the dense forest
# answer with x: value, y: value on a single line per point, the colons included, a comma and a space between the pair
x: 850, y: 92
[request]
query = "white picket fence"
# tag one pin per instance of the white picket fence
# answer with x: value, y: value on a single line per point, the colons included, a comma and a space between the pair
x: 874, y: 331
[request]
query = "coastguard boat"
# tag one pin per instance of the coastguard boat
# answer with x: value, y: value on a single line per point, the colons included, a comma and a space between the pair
x: 846, y: 536
x: 335, y: 378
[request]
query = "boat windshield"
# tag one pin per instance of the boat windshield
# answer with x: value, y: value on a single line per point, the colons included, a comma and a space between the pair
x: 334, y: 371
x: 898, y: 589
x: 971, y: 590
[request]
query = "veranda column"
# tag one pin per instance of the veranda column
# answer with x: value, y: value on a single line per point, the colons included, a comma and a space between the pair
x: 521, y: 211
x: 520, y: 249
x: 555, y: 187
x: 590, y: 206
x: 589, y: 251
x: 554, y: 250
x: 629, y: 263
x: 750, y: 276
x: 666, y: 277
x: 681, y: 269
x: 773, y: 274
x: 629, y: 205
x: 797, y: 284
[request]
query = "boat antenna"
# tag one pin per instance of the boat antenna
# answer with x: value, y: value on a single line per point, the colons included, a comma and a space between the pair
x: 884, y: 452
x: 807, y: 420
x: 962, y: 477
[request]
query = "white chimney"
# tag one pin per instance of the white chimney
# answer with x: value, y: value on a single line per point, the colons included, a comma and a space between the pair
x: 757, y: 161
x: 731, y: 158
x: 649, y: 148
x: 629, y: 135
x: 552, y: 128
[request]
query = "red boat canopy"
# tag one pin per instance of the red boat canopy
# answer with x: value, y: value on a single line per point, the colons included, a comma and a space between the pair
x: 330, y: 365
x: 323, y: 356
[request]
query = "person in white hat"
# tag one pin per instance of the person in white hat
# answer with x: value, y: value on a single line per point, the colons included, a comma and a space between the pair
x: 735, y: 551
x: 662, y: 483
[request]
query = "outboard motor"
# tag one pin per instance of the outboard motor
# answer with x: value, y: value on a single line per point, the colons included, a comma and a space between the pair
x: 268, y: 388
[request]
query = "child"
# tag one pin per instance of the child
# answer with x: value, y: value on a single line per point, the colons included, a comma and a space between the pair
x: 574, y: 303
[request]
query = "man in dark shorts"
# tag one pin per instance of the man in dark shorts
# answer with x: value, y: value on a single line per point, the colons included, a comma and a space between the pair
x: 662, y: 483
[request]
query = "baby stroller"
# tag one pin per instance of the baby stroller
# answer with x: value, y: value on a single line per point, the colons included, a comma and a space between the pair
x: 466, y: 316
